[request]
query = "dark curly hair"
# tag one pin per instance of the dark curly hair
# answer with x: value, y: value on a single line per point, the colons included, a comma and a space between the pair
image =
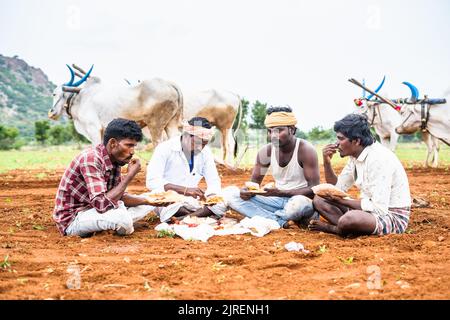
x: 200, y: 121
x: 122, y: 129
x: 355, y: 126
x: 278, y: 109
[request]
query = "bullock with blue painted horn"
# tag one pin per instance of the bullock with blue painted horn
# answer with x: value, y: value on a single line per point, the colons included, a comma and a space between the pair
x: 431, y: 116
x: 92, y: 104
x: 64, y: 95
x: 430, y: 141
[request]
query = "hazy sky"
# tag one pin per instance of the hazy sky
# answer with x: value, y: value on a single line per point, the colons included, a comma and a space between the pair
x: 299, y: 53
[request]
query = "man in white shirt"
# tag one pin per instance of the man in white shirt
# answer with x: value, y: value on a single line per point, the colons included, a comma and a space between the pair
x: 384, y: 204
x: 180, y: 163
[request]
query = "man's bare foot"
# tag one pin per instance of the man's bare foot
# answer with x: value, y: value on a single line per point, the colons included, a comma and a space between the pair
x: 291, y: 224
x: 317, y: 225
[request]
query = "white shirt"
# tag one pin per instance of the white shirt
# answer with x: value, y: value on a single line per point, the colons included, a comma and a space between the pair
x: 380, y: 177
x: 169, y: 165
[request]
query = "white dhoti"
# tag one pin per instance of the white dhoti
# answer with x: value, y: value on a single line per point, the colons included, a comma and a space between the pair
x: 190, y: 203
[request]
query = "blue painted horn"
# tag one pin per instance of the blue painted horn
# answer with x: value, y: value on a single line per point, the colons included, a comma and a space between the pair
x: 76, y: 84
x: 414, y: 91
x: 377, y: 89
x: 72, y: 76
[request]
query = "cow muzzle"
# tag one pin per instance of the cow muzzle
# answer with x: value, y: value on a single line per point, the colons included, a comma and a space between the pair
x: 52, y: 115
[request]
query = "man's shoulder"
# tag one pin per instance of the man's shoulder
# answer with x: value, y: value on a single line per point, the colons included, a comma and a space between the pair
x: 305, y: 146
x: 381, y: 155
x: 381, y: 151
x: 89, y: 156
x: 266, y: 148
x: 169, y: 144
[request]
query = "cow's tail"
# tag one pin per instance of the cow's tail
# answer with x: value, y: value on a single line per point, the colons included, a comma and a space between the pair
x: 180, y: 101
x: 235, y: 152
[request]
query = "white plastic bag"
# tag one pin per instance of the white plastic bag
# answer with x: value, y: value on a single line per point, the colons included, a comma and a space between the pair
x: 295, y: 246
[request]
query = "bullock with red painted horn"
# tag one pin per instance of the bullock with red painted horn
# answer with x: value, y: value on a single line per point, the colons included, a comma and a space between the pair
x: 385, y: 120
x: 374, y: 93
x: 380, y: 116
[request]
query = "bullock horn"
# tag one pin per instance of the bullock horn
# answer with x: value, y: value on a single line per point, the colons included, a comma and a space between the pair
x: 377, y: 89
x: 389, y: 102
x: 79, y: 75
x: 76, y: 84
x: 78, y: 68
x: 71, y: 89
x: 72, y: 76
x: 414, y: 91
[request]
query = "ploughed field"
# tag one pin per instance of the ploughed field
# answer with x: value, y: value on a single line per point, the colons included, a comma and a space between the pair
x: 37, y: 263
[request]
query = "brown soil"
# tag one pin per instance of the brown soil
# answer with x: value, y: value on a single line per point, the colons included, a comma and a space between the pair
x: 413, y: 265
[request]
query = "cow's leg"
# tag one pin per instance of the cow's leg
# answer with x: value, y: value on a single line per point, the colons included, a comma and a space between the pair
x: 385, y: 142
x: 231, y: 145
x: 173, y: 127
x: 79, y: 127
x: 435, y: 157
x: 90, y: 127
x: 95, y: 133
x: 158, y: 120
x: 224, y: 133
x: 393, y: 140
x: 435, y: 146
x: 426, y: 138
x: 155, y: 133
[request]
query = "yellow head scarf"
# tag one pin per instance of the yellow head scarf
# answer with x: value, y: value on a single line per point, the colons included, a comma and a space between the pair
x: 280, y: 119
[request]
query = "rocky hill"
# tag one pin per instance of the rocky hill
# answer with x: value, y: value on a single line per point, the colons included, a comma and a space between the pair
x: 25, y: 94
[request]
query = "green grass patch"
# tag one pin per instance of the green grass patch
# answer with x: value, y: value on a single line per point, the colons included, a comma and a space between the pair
x: 165, y: 234
x: 59, y: 157
x: 408, y: 153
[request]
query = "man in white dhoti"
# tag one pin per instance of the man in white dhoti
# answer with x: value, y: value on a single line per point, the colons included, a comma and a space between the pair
x: 179, y: 164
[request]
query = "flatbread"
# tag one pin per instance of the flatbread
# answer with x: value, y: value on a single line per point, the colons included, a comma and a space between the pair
x: 212, y: 200
x: 257, y: 191
x: 327, y: 190
x: 253, y: 187
x: 164, y: 198
x: 269, y: 185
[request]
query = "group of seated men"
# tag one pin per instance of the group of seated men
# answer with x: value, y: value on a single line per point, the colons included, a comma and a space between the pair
x: 92, y: 195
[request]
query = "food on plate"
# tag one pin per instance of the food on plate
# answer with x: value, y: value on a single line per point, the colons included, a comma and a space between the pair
x: 212, y: 200
x: 254, y: 187
x: 269, y: 185
x: 327, y: 190
x: 163, y: 198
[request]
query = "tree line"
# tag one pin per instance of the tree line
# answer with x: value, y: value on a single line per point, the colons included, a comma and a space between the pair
x: 44, y: 134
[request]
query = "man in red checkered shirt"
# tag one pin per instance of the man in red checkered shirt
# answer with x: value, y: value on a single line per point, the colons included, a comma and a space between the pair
x: 91, y: 196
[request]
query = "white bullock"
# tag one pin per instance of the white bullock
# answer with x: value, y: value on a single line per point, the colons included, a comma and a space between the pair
x: 384, y: 119
x: 220, y: 108
x: 155, y: 102
x: 432, y: 118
